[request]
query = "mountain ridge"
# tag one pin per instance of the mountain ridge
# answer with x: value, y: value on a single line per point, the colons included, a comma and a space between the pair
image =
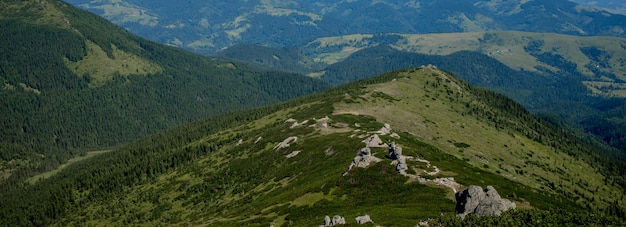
x: 567, y: 77
x: 207, y: 172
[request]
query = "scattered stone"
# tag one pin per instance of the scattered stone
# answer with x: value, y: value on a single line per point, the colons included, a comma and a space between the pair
x: 286, y: 143
x: 395, y: 135
x: 296, y: 124
x: 336, y: 220
x: 293, y: 154
x: 239, y: 142
x: 330, y: 151
x: 291, y: 120
x: 423, y: 223
x: 386, y: 129
x: 374, y: 141
x: 258, y: 139
x: 364, y: 219
x: 323, y: 122
x: 481, y: 202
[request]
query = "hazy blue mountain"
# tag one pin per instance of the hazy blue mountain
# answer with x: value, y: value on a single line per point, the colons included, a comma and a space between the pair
x: 616, y: 6
x: 209, y: 26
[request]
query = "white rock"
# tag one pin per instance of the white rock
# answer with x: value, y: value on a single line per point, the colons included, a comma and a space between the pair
x: 386, y: 129
x: 286, y: 142
x: 364, y: 219
x: 293, y: 154
x: 374, y: 141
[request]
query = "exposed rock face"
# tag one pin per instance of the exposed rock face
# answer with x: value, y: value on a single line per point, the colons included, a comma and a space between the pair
x: 481, y: 202
x: 364, y: 219
x: 402, y: 167
x: 336, y: 220
x: 394, y: 151
x: 363, y: 159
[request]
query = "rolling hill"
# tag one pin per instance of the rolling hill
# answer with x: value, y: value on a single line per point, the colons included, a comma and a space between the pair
x: 209, y: 26
x: 72, y: 82
x: 577, y: 79
x: 296, y: 162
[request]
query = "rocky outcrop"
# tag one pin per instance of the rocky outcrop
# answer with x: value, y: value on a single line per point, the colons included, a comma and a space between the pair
x: 336, y: 220
x: 402, y: 167
x: 386, y: 129
x: 395, y: 152
x: 286, y: 142
x: 364, y: 219
x: 363, y: 159
x: 374, y: 141
x: 481, y: 202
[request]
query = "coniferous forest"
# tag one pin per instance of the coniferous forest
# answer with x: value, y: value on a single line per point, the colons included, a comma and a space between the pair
x: 50, y: 114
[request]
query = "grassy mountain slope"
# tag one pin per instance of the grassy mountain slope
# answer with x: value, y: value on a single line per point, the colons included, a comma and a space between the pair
x: 579, y: 79
x: 229, y: 170
x: 71, y: 81
x: 209, y: 26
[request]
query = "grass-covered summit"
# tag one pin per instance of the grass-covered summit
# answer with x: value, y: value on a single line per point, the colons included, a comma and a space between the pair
x: 289, y: 164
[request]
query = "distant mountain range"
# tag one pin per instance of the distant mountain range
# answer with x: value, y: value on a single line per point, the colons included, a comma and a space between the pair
x: 209, y: 26
x: 615, y: 6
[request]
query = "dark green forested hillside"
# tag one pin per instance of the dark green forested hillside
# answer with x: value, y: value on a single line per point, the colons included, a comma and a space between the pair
x: 288, y: 59
x: 70, y: 81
